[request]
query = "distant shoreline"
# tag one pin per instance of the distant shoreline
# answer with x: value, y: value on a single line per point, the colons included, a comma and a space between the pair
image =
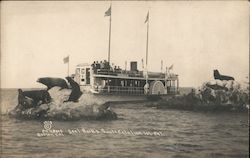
x: 21, y: 88
x: 183, y: 90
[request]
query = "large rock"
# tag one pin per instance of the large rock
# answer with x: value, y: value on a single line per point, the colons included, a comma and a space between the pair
x: 224, y: 92
x: 88, y: 107
x: 212, y: 96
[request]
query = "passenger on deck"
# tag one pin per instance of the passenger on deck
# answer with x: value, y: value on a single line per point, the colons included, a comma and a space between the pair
x: 98, y: 66
x: 101, y: 65
x: 105, y: 64
x: 119, y: 69
x: 94, y: 67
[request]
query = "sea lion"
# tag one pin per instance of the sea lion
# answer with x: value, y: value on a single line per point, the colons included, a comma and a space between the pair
x: 216, y: 87
x: 38, y: 96
x: 20, y: 96
x: 76, y: 91
x: 52, y: 82
x: 218, y: 76
x: 24, y: 102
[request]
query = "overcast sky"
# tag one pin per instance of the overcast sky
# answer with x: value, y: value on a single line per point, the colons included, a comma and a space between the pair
x: 196, y: 37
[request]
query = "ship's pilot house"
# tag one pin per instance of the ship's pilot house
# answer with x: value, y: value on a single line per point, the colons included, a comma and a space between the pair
x: 82, y: 74
x: 101, y: 77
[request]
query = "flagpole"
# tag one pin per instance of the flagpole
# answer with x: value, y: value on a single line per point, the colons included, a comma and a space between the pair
x: 68, y: 67
x: 147, y: 51
x: 147, y: 43
x: 109, y: 34
x: 161, y: 65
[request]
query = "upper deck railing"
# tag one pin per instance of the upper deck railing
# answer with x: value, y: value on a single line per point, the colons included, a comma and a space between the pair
x: 106, y: 69
x: 126, y: 90
x: 119, y: 73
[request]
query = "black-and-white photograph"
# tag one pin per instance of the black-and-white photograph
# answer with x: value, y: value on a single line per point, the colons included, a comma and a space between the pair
x: 150, y: 79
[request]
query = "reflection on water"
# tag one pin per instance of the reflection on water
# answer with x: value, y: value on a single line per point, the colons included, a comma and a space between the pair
x: 186, y: 134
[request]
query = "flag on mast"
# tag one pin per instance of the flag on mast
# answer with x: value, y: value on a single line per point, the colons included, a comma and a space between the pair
x: 147, y: 17
x: 66, y: 59
x: 171, y: 67
x: 108, y: 12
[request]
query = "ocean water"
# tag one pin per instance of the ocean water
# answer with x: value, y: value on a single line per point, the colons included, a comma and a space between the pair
x: 138, y: 132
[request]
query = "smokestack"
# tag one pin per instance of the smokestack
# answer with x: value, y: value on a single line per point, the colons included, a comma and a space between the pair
x: 133, y: 66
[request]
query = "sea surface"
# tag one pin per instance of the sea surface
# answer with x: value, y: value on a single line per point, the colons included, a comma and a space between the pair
x: 138, y: 132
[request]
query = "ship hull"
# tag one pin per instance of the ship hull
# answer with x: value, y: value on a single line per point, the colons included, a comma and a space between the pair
x: 115, y: 98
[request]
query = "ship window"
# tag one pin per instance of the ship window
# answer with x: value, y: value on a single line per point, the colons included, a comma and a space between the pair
x: 83, y: 80
x: 88, y: 76
x: 83, y: 71
x: 77, y: 71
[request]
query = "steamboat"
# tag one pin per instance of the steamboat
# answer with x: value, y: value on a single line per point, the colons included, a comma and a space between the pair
x: 102, y: 78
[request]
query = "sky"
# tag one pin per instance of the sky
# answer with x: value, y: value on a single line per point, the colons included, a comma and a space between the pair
x: 195, y: 36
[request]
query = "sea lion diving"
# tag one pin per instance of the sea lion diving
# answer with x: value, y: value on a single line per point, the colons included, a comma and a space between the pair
x: 52, y: 82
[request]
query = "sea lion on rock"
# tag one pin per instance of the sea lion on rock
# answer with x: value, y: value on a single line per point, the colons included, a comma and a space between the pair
x: 37, y: 96
x: 216, y: 87
x: 52, y: 82
x: 23, y: 101
x: 218, y: 76
x: 76, y: 91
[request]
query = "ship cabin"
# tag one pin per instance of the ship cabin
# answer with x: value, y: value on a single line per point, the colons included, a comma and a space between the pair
x: 102, y: 78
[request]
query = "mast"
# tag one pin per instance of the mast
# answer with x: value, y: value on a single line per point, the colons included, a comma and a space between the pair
x: 109, y: 35
x: 147, y: 20
x: 108, y: 13
x: 147, y: 85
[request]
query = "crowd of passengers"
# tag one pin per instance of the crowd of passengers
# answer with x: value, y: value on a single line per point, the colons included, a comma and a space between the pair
x: 105, y: 67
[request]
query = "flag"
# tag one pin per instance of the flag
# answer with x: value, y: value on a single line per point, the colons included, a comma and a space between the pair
x: 66, y: 59
x: 171, y: 67
x: 147, y: 17
x: 108, y: 12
